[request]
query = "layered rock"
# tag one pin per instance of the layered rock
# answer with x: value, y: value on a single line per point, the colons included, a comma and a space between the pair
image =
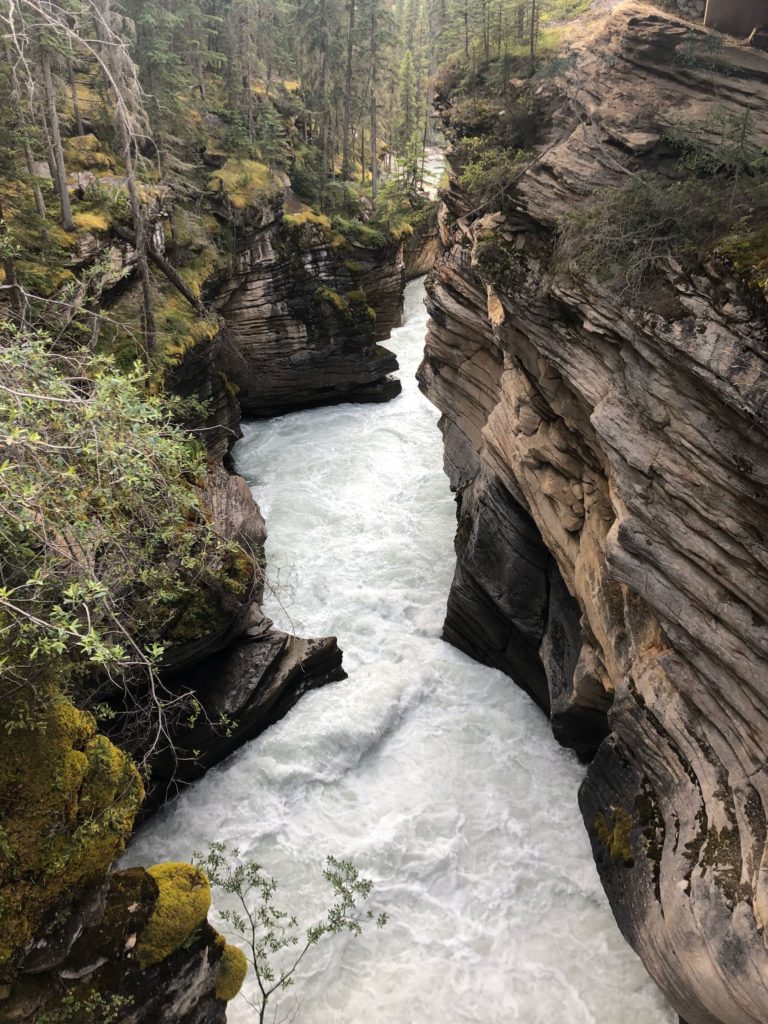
x: 610, y: 464
x: 304, y: 312
x: 421, y: 248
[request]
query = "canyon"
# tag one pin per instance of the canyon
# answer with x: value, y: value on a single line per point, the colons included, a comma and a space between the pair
x: 607, y: 453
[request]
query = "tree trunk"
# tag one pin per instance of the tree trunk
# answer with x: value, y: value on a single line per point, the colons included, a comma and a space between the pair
x: 37, y: 192
x: 73, y: 93
x: 54, y: 132
x: 9, y: 267
x: 143, y: 242
x: 346, y: 168
x: 374, y: 126
x: 24, y: 122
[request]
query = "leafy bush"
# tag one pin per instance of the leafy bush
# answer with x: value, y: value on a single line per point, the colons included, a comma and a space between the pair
x: 103, y: 539
x: 274, y: 942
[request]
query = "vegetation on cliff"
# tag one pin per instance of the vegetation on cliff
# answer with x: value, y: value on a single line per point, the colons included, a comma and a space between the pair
x: 715, y: 205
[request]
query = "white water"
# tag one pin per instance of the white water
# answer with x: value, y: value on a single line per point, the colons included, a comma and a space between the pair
x: 435, y: 775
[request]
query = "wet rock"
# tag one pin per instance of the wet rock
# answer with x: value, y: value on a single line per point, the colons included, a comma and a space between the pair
x: 635, y: 440
x: 241, y: 691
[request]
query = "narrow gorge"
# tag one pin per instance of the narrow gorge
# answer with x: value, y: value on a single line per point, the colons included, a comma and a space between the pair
x: 468, y: 303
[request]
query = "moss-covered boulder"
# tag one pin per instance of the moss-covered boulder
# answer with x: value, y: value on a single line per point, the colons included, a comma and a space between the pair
x: 245, y: 183
x: 183, y: 902
x: 68, y: 799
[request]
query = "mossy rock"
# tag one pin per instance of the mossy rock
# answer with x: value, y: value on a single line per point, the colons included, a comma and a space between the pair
x: 214, y: 603
x: 333, y: 298
x: 68, y: 798
x: 244, y: 183
x: 298, y: 221
x: 86, y: 153
x: 91, y: 220
x: 183, y: 902
x: 614, y: 832
x: 233, y: 968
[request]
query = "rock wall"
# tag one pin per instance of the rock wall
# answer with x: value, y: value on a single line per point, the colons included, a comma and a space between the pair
x: 304, y: 312
x: 610, y: 468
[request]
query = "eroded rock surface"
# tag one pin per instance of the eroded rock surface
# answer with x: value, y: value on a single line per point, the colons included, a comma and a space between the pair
x: 610, y: 464
x: 303, y: 319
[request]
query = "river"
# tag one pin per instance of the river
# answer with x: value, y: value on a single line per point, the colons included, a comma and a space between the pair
x: 435, y: 775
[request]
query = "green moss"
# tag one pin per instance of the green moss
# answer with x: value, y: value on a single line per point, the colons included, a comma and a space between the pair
x: 357, y: 297
x: 179, y: 326
x: 42, y: 279
x: 351, y: 230
x: 328, y: 295
x: 615, y: 833
x: 296, y: 221
x: 85, y: 153
x: 748, y: 254
x: 91, y: 220
x: 182, y: 906
x: 236, y: 574
x: 233, y: 968
x: 245, y: 183
x: 202, y: 615
x: 68, y: 798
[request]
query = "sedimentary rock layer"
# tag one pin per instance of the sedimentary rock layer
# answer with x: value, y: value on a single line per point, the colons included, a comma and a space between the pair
x: 303, y: 319
x: 610, y: 463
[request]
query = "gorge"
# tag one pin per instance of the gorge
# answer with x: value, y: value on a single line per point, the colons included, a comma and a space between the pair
x: 430, y: 770
x: 222, y: 310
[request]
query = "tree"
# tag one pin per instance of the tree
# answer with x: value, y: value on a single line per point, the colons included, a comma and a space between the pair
x: 54, y: 135
x: 346, y: 164
x: 407, y: 114
x: 275, y: 944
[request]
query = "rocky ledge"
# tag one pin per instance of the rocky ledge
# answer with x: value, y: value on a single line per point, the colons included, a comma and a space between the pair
x: 610, y: 465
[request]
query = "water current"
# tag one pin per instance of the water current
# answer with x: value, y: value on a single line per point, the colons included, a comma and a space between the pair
x: 435, y: 775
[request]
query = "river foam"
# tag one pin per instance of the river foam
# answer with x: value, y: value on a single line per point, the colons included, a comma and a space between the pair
x: 435, y: 775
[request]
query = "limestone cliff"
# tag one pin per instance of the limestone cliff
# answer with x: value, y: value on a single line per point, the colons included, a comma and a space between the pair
x: 609, y: 457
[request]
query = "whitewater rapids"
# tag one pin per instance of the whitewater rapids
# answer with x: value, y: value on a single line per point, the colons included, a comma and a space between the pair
x: 435, y: 775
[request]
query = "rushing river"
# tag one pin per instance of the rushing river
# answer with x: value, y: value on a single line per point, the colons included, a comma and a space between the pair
x: 435, y: 775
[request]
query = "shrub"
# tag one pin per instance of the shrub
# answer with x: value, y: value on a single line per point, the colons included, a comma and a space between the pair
x: 489, y: 171
x: 103, y: 536
x: 275, y: 943
x: 627, y: 231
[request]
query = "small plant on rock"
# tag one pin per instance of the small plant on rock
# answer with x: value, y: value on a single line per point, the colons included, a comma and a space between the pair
x: 274, y: 941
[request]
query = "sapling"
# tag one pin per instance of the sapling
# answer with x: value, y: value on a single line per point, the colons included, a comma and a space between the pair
x: 275, y: 943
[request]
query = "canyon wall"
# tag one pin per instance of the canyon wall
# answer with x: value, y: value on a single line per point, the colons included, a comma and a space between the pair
x: 301, y: 312
x: 610, y: 464
x: 304, y: 310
